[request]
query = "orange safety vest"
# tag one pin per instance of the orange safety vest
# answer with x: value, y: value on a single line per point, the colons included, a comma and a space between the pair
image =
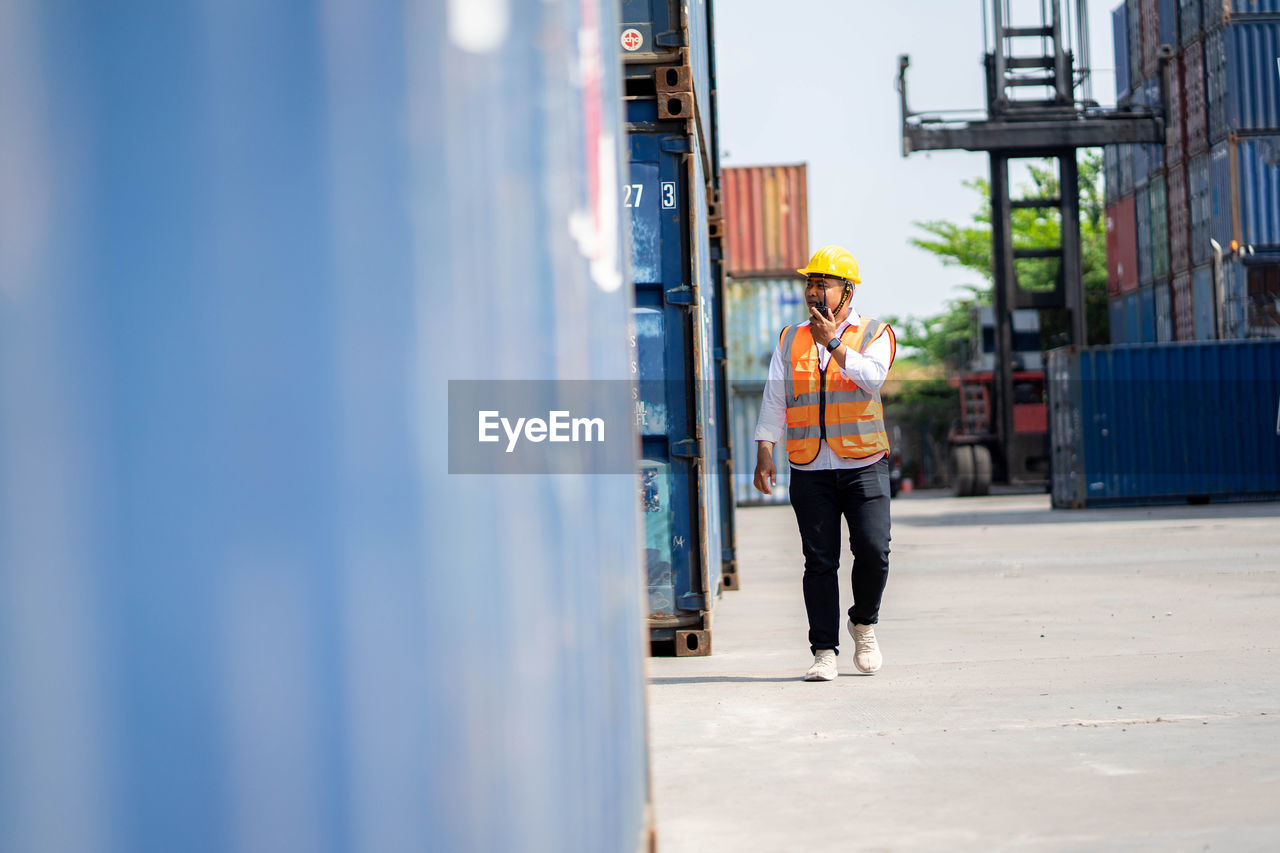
x: 826, y: 403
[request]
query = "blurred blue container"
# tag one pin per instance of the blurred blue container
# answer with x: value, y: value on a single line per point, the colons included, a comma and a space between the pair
x: 1116, y: 318
x: 1147, y: 314
x: 675, y: 357
x: 746, y: 411
x: 1167, y: 15
x: 1200, y: 199
x: 1164, y: 312
x: 1125, y: 430
x: 1189, y: 20
x: 1120, y: 45
x: 245, y: 604
x: 1245, y: 191
x: 1132, y: 318
x: 1241, y: 81
x: 1204, y: 303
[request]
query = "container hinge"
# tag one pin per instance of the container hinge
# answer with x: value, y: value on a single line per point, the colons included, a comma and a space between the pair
x: 691, y: 601
x: 675, y: 144
x: 670, y: 38
x: 680, y: 296
x: 688, y: 448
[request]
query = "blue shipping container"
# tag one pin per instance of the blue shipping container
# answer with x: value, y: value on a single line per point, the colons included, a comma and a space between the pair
x: 1147, y: 314
x: 1125, y: 431
x: 1200, y: 199
x: 746, y: 411
x: 1242, y: 77
x: 246, y: 605
x: 1245, y: 176
x: 1132, y: 318
x: 1164, y: 312
x: 1167, y: 15
x: 1120, y: 44
x: 677, y: 371
x: 1142, y: 212
x: 1203, y: 303
x: 653, y: 32
x: 1189, y: 28
x: 1116, y: 318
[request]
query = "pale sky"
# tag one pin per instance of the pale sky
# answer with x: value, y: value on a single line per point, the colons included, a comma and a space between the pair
x: 812, y: 81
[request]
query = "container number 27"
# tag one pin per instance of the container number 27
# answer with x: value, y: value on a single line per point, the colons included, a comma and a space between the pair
x: 632, y: 193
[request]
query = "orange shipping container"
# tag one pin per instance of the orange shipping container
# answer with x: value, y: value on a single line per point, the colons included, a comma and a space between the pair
x: 766, y: 220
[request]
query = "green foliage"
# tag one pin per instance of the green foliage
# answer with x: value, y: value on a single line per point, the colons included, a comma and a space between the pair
x: 968, y: 246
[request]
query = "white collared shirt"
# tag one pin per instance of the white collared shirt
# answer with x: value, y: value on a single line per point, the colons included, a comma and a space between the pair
x: 868, y: 370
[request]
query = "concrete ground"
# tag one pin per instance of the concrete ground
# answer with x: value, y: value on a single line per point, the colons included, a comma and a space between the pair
x: 1053, y: 680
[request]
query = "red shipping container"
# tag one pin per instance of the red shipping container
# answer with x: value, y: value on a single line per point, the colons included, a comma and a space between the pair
x: 1179, y: 219
x: 1195, y: 104
x: 766, y: 219
x: 1175, y: 132
x: 1148, y: 9
x: 1122, y: 246
x: 1184, y: 326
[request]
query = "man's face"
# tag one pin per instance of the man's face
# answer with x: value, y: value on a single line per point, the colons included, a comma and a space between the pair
x: 833, y: 288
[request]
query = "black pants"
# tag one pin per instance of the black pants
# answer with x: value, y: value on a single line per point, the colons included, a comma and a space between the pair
x: 819, y: 499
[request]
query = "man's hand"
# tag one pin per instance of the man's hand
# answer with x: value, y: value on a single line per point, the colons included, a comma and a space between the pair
x: 766, y: 471
x: 822, y: 325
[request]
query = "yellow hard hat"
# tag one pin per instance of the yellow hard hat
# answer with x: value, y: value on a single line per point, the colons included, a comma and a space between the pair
x: 833, y: 260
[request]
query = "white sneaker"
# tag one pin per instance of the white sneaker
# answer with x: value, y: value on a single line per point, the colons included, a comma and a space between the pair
x: 824, y: 666
x: 866, y: 653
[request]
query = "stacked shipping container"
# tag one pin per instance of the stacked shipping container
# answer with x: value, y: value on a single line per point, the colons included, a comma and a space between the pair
x: 766, y: 240
x: 672, y: 198
x: 1216, y: 180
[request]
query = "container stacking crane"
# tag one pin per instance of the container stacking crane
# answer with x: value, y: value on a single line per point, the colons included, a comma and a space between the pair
x: 1039, y: 105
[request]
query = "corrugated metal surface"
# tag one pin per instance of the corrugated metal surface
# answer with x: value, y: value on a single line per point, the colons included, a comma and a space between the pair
x: 1200, y: 200
x: 1125, y: 430
x: 1179, y: 220
x: 756, y: 311
x: 1134, y: 22
x: 1202, y: 303
x: 1167, y: 13
x: 1142, y: 211
x: 1245, y: 180
x: 1150, y: 36
x: 666, y: 27
x: 1132, y: 318
x: 1195, y: 100
x: 1120, y: 46
x: 1217, y: 11
x: 676, y: 368
x: 746, y: 410
x: 1234, y: 302
x: 1147, y: 314
x: 1189, y: 12
x: 1243, y: 83
x: 1176, y: 122
x: 1158, y: 198
x: 1154, y: 98
x: 245, y: 606
x: 1164, y: 312
x: 1124, y: 167
x: 1115, y: 315
x: 766, y: 217
x: 1183, y: 316
x: 1122, y: 246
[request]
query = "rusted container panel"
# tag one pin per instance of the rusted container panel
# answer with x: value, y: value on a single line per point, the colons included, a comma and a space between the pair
x: 1175, y: 133
x: 1189, y: 12
x: 766, y: 218
x: 1135, y: 42
x: 1200, y: 201
x: 1150, y: 36
x: 1184, y: 326
x: 1179, y: 219
x: 1122, y: 247
x: 1194, y: 102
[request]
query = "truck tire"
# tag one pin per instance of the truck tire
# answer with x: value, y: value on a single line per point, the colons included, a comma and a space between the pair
x: 962, y: 470
x: 981, y: 470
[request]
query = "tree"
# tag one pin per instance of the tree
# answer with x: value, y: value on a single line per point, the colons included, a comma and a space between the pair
x: 969, y: 246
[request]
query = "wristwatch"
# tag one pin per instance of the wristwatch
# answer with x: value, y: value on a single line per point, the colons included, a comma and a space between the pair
x: 833, y: 344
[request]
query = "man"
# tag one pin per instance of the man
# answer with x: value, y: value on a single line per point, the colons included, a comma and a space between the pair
x: 823, y: 398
